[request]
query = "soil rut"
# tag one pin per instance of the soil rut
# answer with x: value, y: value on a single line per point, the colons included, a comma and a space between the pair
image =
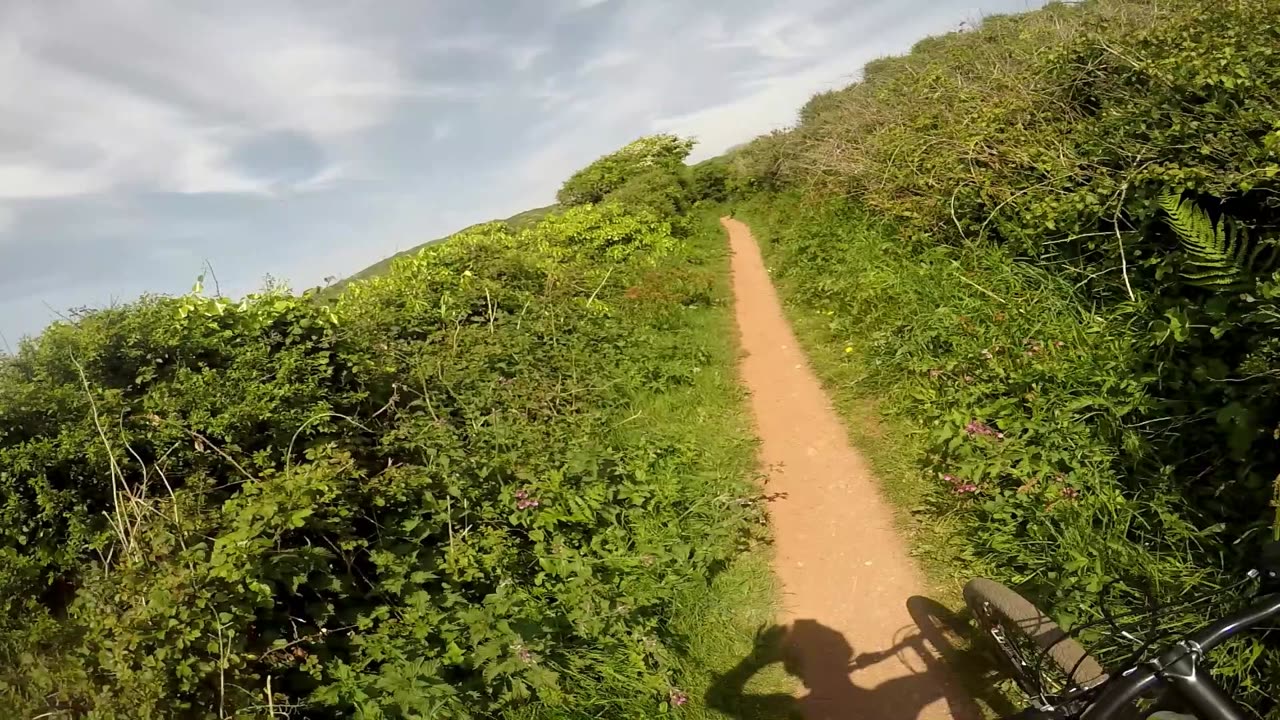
x: 850, y: 588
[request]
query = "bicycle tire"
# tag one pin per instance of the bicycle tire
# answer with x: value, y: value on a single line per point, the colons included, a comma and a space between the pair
x: 996, y: 607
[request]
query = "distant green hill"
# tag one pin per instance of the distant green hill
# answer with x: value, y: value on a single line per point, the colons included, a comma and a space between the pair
x: 519, y: 221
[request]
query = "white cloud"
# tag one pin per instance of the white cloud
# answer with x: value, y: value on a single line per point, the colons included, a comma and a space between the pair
x: 201, y: 167
x: 522, y: 58
x: 116, y: 95
x: 772, y: 104
x: 521, y: 53
x: 389, y: 95
x: 31, y: 180
x: 776, y: 37
x: 322, y: 180
x: 610, y: 59
x: 466, y: 42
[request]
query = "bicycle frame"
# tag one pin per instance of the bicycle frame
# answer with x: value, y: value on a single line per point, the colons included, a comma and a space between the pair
x: 1178, y: 668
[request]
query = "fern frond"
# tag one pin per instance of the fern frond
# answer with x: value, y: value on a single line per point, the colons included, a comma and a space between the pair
x: 1219, y: 255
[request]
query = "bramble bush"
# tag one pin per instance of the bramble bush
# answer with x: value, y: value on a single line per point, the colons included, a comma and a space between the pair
x: 438, y: 496
x: 1073, y: 175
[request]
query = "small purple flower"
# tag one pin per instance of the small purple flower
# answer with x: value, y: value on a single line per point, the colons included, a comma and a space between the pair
x: 524, y: 654
x: 977, y: 427
x: 951, y: 479
x: 524, y: 502
x: 966, y: 488
x: 679, y: 697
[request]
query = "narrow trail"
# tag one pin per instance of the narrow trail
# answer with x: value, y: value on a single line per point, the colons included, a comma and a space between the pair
x: 857, y: 631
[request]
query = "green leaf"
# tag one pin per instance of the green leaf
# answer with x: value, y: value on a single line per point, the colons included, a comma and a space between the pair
x: 1220, y: 255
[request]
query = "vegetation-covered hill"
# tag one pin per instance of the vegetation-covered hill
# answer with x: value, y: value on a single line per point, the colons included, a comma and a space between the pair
x: 519, y: 221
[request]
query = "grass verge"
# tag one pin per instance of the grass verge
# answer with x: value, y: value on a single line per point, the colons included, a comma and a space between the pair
x: 718, y: 621
x: 722, y: 619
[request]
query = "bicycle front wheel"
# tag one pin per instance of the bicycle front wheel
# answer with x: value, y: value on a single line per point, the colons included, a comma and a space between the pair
x: 1043, y: 659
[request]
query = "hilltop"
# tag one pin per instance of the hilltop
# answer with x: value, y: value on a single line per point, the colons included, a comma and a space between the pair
x: 519, y: 221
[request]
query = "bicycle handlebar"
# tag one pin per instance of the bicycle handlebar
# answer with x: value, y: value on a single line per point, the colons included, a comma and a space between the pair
x: 1177, y: 665
x: 1214, y: 634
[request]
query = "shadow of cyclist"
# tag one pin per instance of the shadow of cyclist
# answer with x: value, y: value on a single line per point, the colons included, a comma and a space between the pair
x: 825, y: 663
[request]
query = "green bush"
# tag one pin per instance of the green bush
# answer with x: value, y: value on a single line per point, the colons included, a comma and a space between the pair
x: 609, y: 231
x: 662, y: 192
x: 1044, y: 129
x: 437, y: 497
x: 710, y: 180
x: 661, y: 153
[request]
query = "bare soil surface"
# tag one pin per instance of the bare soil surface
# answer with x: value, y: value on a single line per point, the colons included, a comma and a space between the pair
x: 856, y: 628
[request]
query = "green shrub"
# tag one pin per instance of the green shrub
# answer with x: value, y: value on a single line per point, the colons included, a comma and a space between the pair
x: 609, y: 231
x: 664, y: 153
x: 436, y: 497
x: 662, y: 192
x: 710, y: 180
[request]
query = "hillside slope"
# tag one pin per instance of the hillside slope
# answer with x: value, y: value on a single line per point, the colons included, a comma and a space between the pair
x: 1043, y: 249
x: 519, y: 221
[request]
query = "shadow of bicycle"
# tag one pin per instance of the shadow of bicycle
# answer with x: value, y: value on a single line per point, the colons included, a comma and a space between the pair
x: 935, y: 649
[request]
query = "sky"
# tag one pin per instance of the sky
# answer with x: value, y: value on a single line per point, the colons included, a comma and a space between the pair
x: 143, y: 141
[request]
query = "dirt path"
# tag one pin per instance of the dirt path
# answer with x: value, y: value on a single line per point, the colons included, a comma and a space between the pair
x: 850, y: 589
